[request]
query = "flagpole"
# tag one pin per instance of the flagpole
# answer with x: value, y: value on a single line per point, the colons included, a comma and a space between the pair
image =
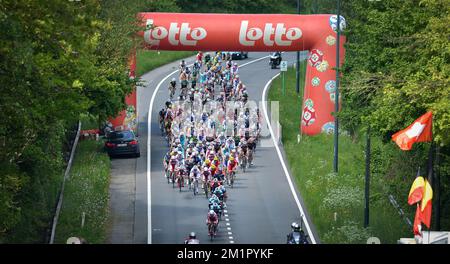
x: 438, y: 190
x: 367, y: 189
x: 430, y: 169
x: 336, y: 99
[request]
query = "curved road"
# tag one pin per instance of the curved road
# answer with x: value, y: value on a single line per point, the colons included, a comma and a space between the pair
x: 261, y: 205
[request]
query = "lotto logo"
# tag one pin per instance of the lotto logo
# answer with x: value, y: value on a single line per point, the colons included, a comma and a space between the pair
x: 279, y: 35
x: 176, y: 34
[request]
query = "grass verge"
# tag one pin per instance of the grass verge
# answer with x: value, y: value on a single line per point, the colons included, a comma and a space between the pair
x: 335, y: 201
x: 86, y: 191
x: 148, y: 60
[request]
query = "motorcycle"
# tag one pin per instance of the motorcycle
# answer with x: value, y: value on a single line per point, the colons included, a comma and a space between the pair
x: 275, y: 60
x: 297, y: 237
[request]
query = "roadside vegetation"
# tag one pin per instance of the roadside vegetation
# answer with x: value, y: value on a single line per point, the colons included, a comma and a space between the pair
x: 63, y: 59
x: 86, y: 193
x: 148, y: 60
x: 336, y: 201
x: 394, y: 72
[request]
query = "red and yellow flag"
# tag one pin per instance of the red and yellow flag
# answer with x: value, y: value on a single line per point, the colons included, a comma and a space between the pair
x: 419, y: 131
x: 426, y: 204
x: 416, y: 192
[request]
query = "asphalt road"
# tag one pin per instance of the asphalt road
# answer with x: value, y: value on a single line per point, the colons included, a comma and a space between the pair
x: 261, y: 207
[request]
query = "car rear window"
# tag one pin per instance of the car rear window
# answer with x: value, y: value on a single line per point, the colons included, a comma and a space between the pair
x: 124, y: 135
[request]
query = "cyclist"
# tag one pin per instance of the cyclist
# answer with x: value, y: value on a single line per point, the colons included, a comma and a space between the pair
x: 182, y: 66
x: 215, y: 206
x: 172, y: 87
x: 162, y: 113
x: 206, y: 176
x: 181, y: 174
x: 212, y: 219
x: 214, y: 183
x: 195, y: 174
x: 173, y: 164
x: 232, y: 165
x: 200, y: 56
x: 213, y: 199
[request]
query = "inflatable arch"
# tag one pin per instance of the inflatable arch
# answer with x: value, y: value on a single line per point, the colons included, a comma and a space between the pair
x: 257, y: 32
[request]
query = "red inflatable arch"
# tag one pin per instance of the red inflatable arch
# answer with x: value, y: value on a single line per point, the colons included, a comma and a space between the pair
x: 255, y: 32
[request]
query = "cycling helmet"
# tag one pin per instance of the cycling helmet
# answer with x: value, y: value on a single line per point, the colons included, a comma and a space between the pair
x: 231, y: 158
x: 295, y: 226
x: 174, y: 80
x: 192, y: 235
x: 211, y: 211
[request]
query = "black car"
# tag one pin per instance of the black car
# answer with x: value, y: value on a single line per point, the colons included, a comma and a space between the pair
x: 122, y: 143
x: 237, y: 55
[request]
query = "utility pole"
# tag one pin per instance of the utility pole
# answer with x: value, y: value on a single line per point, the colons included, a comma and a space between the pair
x: 298, y: 59
x: 336, y: 99
x: 367, y: 191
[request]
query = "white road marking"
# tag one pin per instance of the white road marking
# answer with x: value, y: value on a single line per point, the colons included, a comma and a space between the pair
x: 228, y: 228
x: 286, y: 172
x: 226, y: 215
x: 229, y: 233
x: 232, y: 242
x: 226, y: 219
x: 228, y: 224
x: 149, y: 138
x: 225, y: 211
x: 230, y: 237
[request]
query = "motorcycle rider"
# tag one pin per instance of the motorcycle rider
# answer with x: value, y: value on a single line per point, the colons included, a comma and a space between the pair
x: 192, y: 239
x: 297, y: 236
x: 275, y: 59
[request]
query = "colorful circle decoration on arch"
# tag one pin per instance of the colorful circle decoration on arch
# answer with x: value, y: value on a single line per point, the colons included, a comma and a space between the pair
x: 333, y: 97
x: 315, y: 57
x: 331, y: 40
x: 315, y: 81
x: 309, y: 114
x: 328, y: 128
x: 333, y: 23
x: 330, y: 86
x: 323, y: 66
x: 309, y: 103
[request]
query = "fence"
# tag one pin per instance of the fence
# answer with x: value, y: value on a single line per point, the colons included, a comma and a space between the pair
x: 61, y: 194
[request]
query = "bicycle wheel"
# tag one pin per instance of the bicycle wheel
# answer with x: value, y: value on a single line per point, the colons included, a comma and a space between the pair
x: 211, y: 231
x: 180, y: 181
x: 173, y: 180
x: 232, y: 179
x: 195, y: 187
x: 205, y: 187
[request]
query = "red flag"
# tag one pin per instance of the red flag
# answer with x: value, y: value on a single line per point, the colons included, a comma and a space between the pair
x: 417, y: 221
x: 419, y: 131
x: 416, y: 192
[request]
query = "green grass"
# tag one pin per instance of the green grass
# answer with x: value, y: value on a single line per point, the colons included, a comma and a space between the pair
x: 148, y: 60
x: 326, y: 193
x: 86, y: 190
